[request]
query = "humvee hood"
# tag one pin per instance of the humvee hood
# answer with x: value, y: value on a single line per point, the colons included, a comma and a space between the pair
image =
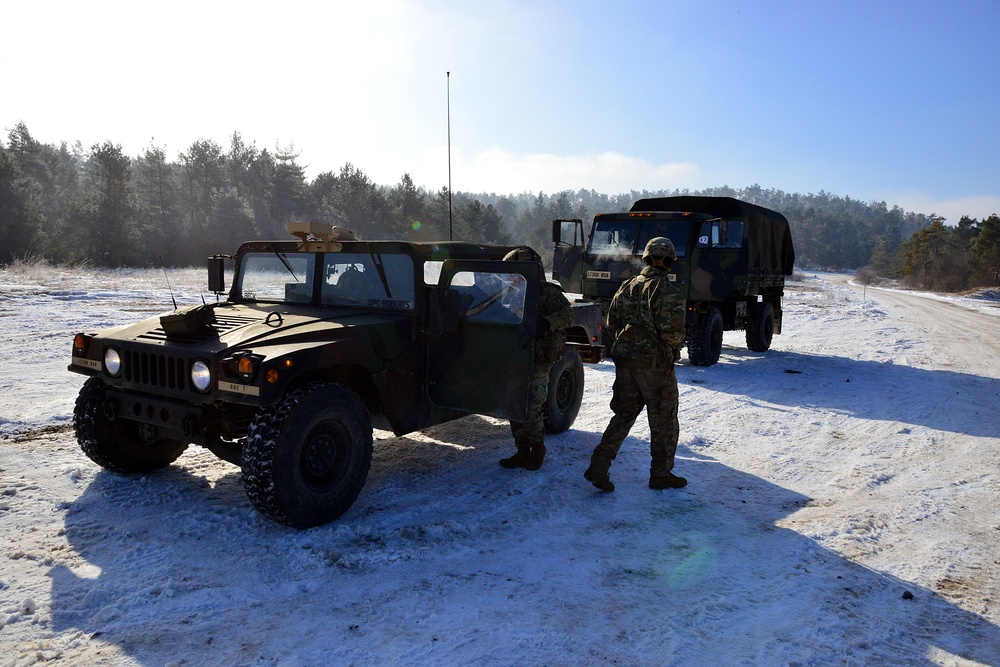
x: 242, y: 324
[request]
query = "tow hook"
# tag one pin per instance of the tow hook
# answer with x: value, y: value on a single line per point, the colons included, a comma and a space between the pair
x: 189, y: 426
x: 110, y: 410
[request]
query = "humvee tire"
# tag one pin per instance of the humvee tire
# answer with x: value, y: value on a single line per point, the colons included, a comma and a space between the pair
x: 114, y: 443
x: 760, y: 327
x: 704, y: 338
x: 306, y: 459
x: 562, y: 404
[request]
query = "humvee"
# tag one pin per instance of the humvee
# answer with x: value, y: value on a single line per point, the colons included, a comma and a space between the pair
x: 732, y: 259
x: 318, y: 342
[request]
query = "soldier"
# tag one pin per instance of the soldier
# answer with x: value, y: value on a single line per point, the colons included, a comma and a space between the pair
x: 647, y: 318
x: 554, y: 317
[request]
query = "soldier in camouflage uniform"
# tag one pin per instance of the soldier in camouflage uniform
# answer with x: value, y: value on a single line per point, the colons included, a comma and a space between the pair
x: 554, y: 317
x: 647, y: 318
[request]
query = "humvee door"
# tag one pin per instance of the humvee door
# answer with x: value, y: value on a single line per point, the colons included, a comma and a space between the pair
x: 480, y: 360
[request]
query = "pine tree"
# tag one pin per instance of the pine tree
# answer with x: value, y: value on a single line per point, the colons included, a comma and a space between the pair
x: 985, y: 253
x: 21, y: 212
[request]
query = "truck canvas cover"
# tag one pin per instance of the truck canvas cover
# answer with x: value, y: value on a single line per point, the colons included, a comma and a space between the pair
x: 770, y: 239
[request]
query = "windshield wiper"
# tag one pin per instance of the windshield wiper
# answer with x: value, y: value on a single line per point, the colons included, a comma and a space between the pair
x: 377, y: 261
x: 284, y: 261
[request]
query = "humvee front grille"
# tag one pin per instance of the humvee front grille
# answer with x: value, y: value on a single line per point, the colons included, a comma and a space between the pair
x: 155, y: 370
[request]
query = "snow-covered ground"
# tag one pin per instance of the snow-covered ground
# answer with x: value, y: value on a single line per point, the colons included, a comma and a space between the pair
x: 842, y: 509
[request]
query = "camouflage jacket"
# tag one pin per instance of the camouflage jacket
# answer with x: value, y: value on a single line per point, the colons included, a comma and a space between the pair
x: 554, y: 307
x: 647, y: 319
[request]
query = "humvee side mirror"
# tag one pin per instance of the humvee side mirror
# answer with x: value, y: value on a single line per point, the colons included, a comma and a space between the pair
x: 217, y: 274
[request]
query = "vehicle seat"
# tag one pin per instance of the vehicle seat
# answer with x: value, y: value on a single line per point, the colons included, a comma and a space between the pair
x: 353, y: 282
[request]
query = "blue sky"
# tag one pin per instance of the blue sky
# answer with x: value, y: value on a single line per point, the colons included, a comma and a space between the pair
x: 888, y: 101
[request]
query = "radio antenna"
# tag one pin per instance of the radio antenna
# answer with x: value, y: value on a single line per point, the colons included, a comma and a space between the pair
x: 167, y: 278
x: 448, y: 76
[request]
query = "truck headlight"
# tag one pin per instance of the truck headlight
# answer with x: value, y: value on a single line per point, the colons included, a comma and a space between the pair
x: 201, y: 375
x: 112, y: 361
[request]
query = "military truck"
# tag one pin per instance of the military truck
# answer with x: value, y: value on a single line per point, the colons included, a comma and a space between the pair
x: 732, y: 259
x: 318, y: 342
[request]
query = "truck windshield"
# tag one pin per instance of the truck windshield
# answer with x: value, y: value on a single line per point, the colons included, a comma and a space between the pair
x: 614, y: 238
x: 625, y: 238
x: 675, y: 230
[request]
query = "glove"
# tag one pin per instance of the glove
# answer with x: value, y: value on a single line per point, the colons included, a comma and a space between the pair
x: 542, y: 325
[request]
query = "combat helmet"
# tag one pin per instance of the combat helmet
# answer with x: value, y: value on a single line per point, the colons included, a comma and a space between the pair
x: 660, y: 246
x: 522, y: 254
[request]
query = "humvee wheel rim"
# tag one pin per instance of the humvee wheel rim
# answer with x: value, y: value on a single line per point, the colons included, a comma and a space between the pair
x: 565, y: 390
x: 324, y: 456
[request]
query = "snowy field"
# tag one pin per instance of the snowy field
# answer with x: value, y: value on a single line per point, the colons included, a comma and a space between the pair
x: 843, y: 508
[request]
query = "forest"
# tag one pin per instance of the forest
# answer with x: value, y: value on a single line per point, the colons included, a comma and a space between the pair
x: 97, y: 206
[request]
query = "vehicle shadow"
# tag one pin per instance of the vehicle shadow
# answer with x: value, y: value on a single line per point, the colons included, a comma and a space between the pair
x: 865, y: 389
x: 448, y: 559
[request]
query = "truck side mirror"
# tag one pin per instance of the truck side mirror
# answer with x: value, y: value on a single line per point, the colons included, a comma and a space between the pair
x: 217, y: 274
x: 557, y: 231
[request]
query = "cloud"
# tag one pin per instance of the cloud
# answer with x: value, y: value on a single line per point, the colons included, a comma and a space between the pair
x: 503, y: 172
x: 974, y: 206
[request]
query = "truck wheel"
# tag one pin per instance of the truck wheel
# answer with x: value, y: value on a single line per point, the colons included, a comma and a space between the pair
x: 115, y: 443
x: 562, y: 403
x: 760, y: 327
x: 704, y: 338
x: 608, y: 341
x: 306, y: 459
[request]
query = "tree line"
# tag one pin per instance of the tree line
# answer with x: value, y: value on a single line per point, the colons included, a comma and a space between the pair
x: 105, y: 208
x: 946, y: 258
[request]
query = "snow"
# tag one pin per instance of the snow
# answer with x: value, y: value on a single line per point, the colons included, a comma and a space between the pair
x: 842, y: 508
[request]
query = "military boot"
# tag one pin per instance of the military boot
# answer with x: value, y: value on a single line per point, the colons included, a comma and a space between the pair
x: 522, y: 459
x: 597, y: 474
x: 668, y: 481
x: 535, y: 457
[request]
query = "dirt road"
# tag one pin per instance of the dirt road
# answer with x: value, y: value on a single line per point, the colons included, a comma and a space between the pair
x: 962, y: 339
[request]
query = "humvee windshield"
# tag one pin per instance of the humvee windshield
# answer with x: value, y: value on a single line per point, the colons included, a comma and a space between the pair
x: 343, y: 279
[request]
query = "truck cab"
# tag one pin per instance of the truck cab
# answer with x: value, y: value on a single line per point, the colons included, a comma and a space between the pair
x: 732, y: 258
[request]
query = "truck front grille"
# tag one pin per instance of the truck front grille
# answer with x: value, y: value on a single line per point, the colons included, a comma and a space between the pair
x: 155, y: 370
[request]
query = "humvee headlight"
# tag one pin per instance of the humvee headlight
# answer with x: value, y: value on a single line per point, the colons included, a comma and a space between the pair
x: 201, y: 375
x: 112, y: 361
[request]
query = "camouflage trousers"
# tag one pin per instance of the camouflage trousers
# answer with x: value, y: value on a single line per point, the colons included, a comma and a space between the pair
x: 532, y: 430
x: 634, y: 389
